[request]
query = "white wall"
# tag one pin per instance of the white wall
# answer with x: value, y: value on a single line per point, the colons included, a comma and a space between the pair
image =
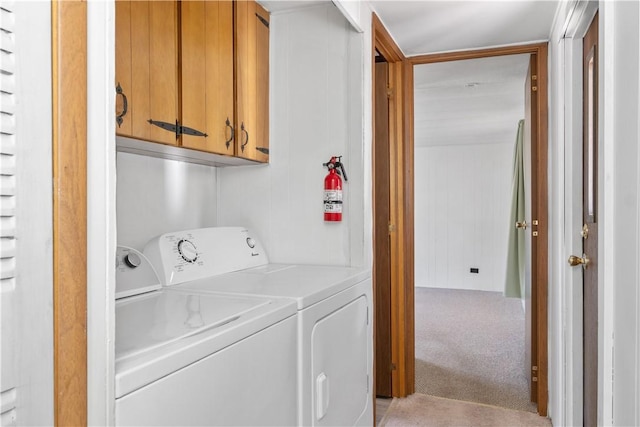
x: 619, y: 221
x: 619, y: 236
x: 316, y: 93
x: 563, y: 409
x: 101, y: 212
x: 156, y: 196
x: 462, y: 202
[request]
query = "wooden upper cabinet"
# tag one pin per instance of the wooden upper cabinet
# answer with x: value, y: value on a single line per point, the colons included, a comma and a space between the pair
x: 198, y: 66
x: 252, y: 81
x: 123, y: 67
x: 147, y: 68
x: 207, y: 75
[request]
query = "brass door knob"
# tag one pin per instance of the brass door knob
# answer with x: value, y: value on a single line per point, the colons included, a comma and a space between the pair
x: 521, y: 225
x: 576, y: 260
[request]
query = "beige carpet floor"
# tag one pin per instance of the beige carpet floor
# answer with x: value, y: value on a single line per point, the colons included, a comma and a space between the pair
x: 470, y: 347
x: 422, y: 410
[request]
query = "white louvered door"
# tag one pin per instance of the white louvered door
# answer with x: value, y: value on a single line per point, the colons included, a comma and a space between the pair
x: 8, y: 380
x: 26, y: 328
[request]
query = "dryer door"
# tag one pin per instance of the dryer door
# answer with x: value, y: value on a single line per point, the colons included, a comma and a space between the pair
x: 339, y: 365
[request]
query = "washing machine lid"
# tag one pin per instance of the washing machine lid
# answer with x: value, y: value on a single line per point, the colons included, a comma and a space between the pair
x: 306, y: 284
x: 162, y: 331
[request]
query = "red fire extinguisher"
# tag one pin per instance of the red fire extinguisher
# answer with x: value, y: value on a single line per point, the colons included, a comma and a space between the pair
x: 333, y: 189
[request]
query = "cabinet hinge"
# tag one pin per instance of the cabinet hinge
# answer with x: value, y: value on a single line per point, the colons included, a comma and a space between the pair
x: 389, y: 92
x: 189, y: 131
x: 177, y: 128
x: 261, y: 19
x: 392, y: 228
x: 393, y: 367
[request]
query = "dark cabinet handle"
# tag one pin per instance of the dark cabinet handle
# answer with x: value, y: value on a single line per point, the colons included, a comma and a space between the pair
x: 125, y: 105
x: 246, y: 141
x: 233, y: 133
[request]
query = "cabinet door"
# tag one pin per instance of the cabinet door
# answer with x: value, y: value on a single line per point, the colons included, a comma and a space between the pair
x: 123, y: 66
x: 147, y: 62
x: 252, y: 81
x: 207, y: 74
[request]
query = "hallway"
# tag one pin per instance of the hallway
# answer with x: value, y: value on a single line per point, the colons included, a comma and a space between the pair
x: 470, y: 346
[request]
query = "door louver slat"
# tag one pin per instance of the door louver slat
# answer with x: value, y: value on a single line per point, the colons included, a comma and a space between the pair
x: 9, y: 392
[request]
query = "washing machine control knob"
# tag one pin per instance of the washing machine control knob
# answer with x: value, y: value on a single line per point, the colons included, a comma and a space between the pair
x: 251, y: 243
x: 187, y: 251
x: 132, y: 260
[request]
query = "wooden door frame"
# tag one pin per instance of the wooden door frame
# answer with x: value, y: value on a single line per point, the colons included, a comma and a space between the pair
x: 69, y: 90
x: 401, y: 143
x: 540, y: 155
x: 400, y: 196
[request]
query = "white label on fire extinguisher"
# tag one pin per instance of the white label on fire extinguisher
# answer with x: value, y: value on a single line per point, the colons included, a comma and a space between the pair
x: 333, y: 201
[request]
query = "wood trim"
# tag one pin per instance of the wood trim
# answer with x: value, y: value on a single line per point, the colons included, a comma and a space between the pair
x: 542, y: 205
x: 401, y: 212
x: 384, y: 43
x: 543, y: 230
x: 393, y: 242
x: 479, y: 53
x: 69, y: 87
x: 532, y: 117
x: 408, y: 237
x: 398, y: 338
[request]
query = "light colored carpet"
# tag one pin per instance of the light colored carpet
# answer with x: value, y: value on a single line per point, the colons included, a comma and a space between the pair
x: 422, y: 410
x: 470, y: 347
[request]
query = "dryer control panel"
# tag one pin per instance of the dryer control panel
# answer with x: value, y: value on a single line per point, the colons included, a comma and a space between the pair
x: 134, y: 273
x: 184, y: 256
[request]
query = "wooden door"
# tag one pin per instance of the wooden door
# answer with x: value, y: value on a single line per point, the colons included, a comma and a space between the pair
x: 252, y: 80
x: 382, y: 255
x: 590, y: 229
x: 206, y: 30
x: 531, y: 215
x: 147, y: 68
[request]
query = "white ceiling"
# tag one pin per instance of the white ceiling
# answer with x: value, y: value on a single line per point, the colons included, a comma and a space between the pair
x: 431, y: 26
x: 475, y: 101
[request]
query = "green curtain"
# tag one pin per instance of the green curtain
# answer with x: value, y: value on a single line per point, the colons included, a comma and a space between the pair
x: 514, y: 280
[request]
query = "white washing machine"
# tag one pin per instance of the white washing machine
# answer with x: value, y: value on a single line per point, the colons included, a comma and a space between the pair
x: 334, y: 326
x: 189, y: 358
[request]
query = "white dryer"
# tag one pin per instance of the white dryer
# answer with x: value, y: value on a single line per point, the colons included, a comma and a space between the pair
x: 334, y: 326
x: 188, y: 358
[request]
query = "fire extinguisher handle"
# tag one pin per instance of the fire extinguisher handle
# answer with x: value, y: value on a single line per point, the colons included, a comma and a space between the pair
x: 344, y: 173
